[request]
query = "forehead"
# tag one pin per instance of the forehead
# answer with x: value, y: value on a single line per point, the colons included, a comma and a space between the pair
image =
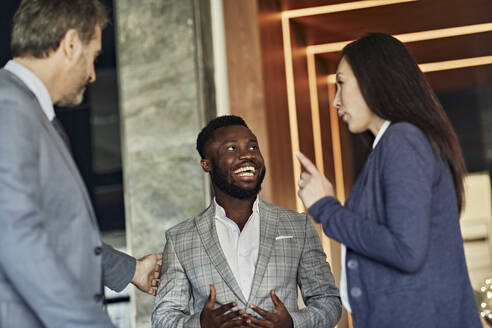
x: 95, y: 42
x: 344, y: 67
x: 231, y: 133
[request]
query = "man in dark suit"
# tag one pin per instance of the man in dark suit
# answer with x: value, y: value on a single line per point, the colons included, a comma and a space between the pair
x: 53, y: 263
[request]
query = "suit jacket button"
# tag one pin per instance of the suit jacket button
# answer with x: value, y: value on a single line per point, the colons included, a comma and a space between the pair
x: 98, y: 297
x: 98, y: 250
x: 352, y: 264
x: 356, y: 292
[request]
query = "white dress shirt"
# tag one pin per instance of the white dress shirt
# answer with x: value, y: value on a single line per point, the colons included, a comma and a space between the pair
x: 240, y: 247
x: 343, y: 276
x: 35, y: 85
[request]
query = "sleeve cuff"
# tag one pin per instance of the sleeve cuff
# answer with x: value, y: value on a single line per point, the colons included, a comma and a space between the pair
x: 118, y: 268
x: 300, y: 319
x: 323, y: 207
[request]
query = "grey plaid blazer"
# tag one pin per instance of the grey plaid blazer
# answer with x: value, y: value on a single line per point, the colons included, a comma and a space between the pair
x: 193, y: 259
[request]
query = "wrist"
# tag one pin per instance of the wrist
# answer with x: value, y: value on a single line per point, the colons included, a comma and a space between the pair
x: 136, y: 272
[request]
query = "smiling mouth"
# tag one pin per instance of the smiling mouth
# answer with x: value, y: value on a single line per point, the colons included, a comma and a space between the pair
x: 245, y: 171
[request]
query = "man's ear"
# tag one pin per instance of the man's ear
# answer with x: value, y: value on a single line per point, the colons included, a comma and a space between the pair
x: 71, y: 44
x: 206, y: 165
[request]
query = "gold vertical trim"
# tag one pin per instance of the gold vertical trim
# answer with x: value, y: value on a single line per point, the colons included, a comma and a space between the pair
x: 315, y: 117
x: 291, y: 101
x: 336, y: 146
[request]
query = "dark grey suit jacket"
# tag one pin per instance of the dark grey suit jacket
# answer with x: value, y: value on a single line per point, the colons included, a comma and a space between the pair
x: 289, y: 255
x: 52, y: 262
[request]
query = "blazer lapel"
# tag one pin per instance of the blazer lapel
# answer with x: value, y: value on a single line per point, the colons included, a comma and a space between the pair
x: 67, y: 157
x: 57, y: 141
x: 205, y: 224
x: 268, y: 232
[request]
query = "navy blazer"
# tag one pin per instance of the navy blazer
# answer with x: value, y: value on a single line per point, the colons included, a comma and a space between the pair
x: 405, y: 259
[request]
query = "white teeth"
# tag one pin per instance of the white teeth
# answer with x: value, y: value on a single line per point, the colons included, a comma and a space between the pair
x: 244, y: 169
x: 246, y: 174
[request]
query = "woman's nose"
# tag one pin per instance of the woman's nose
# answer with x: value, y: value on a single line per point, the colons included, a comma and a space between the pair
x: 336, y: 102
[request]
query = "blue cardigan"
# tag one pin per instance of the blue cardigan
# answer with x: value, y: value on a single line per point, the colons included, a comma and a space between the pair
x: 405, y: 260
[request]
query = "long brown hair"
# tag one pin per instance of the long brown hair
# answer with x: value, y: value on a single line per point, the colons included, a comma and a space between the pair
x: 395, y: 89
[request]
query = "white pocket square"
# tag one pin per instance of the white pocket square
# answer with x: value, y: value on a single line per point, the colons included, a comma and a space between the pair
x: 283, y: 237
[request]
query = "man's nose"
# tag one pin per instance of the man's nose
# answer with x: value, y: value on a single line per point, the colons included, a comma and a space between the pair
x: 92, y: 76
x: 247, y: 153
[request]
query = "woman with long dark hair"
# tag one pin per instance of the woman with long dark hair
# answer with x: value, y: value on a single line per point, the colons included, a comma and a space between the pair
x: 403, y: 262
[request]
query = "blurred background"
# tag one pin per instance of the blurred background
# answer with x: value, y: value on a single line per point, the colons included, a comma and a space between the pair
x: 169, y: 66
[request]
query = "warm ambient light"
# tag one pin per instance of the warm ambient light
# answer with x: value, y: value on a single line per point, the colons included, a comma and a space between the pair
x: 289, y: 71
x: 336, y: 145
x: 338, y: 46
x: 443, y: 65
x: 456, y: 63
x: 409, y: 37
x: 313, y: 94
x: 291, y: 104
x: 328, y: 9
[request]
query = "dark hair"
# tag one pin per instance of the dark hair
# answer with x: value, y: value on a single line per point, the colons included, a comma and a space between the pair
x: 395, y: 89
x: 207, y: 132
x: 40, y: 25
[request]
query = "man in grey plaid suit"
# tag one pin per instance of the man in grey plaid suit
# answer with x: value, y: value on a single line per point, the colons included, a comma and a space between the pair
x: 239, y: 262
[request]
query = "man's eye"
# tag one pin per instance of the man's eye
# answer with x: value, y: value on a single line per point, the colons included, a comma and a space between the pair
x: 231, y: 148
x: 254, y: 147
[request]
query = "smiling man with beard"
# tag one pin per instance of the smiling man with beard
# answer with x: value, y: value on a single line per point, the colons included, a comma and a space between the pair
x: 239, y: 262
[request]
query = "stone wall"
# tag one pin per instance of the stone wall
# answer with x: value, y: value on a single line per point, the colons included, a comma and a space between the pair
x: 166, y: 92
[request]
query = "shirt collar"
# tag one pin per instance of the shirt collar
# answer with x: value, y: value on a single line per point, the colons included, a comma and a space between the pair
x: 381, y: 131
x: 35, y: 85
x: 221, y: 215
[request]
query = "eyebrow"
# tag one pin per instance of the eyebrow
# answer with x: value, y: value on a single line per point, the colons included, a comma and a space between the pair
x: 235, y: 140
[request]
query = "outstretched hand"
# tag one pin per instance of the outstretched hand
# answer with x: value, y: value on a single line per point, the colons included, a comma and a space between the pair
x: 147, y: 273
x: 216, y: 318
x: 280, y: 317
x: 312, y: 184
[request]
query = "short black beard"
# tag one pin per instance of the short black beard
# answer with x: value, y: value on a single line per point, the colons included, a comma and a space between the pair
x: 222, y: 182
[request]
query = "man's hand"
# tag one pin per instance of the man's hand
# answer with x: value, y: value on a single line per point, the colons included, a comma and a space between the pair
x: 312, y: 185
x: 280, y: 317
x: 147, y: 273
x: 215, y: 318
